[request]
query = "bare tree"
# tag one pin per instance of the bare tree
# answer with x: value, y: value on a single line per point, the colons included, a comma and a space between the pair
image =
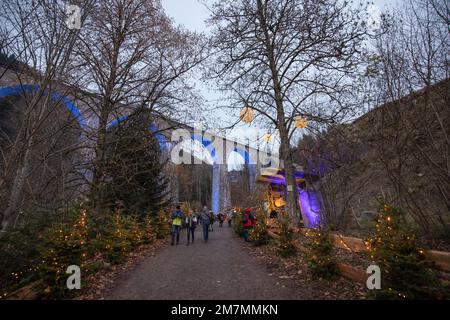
x: 132, y: 58
x: 411, y: 76
x: 286, y: 59
x: 40, y: 41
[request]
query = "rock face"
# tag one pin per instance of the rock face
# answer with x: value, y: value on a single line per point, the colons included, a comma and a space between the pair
x: 398, y: 152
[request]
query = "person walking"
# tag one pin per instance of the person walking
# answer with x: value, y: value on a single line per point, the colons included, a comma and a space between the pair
x: 205, y: 220
x: 211, y: 220
x: 221, y: 217
x: 191, y: 223
x: 247, y: 223
x: 177, y: 217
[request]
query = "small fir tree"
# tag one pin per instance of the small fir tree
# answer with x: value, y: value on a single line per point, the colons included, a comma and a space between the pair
x: 320, y: 256
x: 286, y: 246
x: 259, y: 234
x: 405, y: 271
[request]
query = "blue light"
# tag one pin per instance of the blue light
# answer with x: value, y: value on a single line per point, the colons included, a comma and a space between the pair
x: 29, y: 88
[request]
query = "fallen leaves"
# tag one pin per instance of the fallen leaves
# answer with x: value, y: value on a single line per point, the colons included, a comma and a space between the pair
x: 293, y: 273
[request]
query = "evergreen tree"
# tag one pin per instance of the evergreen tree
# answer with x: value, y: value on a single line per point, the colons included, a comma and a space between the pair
x: 405, y: 271
x: 134, y: 175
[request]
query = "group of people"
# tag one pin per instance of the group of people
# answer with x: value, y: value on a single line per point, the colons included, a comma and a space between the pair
x: 190, y: 220
x: 206, y: 218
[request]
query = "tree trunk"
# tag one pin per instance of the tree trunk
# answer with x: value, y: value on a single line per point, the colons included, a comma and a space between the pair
x: 289, y: 172
x: 291, y: 185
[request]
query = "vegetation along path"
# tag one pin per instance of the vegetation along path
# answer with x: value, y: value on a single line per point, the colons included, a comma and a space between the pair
x: 219, y: 269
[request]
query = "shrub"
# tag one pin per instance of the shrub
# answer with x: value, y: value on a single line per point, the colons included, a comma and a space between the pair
x: 405, y: 272
x: 286, y: 247
x: 237, y: 223
x: 20, y: 258
x: 115, y: 240
x: 63, y: 244
x: 161, y: 225
x: 148, y: 230
x: 320, y: 256
x: 258, y: 234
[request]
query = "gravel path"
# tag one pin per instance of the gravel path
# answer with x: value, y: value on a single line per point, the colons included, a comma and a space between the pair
x: 219, y: 269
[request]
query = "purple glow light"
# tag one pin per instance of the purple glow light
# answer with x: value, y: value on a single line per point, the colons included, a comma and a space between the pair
x: 310, y: 206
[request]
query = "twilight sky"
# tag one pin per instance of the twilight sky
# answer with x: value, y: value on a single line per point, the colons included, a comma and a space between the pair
x: 192, y: 15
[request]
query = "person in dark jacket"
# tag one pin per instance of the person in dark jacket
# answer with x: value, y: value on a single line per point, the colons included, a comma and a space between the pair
x: 221, y: 217
x: 177, y: 220
x: 205, y: 220
x: 191, y: 223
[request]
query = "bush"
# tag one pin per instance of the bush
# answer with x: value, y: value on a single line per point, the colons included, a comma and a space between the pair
x: 148, y: 230
x: 30, y: 254
x: 405, y: 271
x: 286, y: 247
x: 237, y: 223
x: 116, y: 238
x: 320, y: 256
x: 20, y: 258
x: 63, y: 244
x: 161, y: 225
x: 259, y: 235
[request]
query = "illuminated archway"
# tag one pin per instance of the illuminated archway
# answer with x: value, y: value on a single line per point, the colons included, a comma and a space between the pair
x: 20, y: 90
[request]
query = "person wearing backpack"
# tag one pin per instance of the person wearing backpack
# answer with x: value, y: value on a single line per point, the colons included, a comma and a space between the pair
x: 191, y: 223
x: 177, y: 217
x: 247, y: 222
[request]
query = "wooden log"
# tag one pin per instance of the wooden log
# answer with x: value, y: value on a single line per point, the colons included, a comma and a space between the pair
x: 348, y: 243
x: 440, y: 258
x: 352, y: 273
x: 29, y: 292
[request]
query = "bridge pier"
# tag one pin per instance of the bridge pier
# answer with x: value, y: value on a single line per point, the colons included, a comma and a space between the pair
x: 220, y: 195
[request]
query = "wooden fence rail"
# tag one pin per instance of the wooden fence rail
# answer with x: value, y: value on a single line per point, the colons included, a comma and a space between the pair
x: 441, y: 259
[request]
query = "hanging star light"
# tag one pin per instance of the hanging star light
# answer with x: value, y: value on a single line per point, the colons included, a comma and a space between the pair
x: 267, y: 137
x: 247, y: 115
x: 300, y: 122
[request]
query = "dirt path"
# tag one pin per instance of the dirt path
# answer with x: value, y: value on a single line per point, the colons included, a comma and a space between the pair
x: 219, y: 269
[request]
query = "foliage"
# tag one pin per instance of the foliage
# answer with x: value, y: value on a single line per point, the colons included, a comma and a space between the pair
x: 320, y: 256
x: 63, y: 244
x: 405, y: 271
x: 161, y: 225
x: 19, y: 258
x: 149, y: 231
x: 286, y: 246
x: 78, y: 239
x: 134, y: 175
x: 237, y: 223
x: 259, y: 233
x: 114, y: 242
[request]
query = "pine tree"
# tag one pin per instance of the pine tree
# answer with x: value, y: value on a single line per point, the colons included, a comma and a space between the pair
x: 286, y: 246
x: 259, y: 234
x: 320, y: 257
x: 405, y: 271
x: 135, y: 177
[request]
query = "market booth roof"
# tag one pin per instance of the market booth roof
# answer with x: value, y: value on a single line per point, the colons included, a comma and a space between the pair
x: 276, y: 176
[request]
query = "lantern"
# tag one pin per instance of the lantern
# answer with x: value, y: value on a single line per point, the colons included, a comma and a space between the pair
x: 280, y: 202
x: 247, y: 114
x: 300, y: 122
x: 267, y: 137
